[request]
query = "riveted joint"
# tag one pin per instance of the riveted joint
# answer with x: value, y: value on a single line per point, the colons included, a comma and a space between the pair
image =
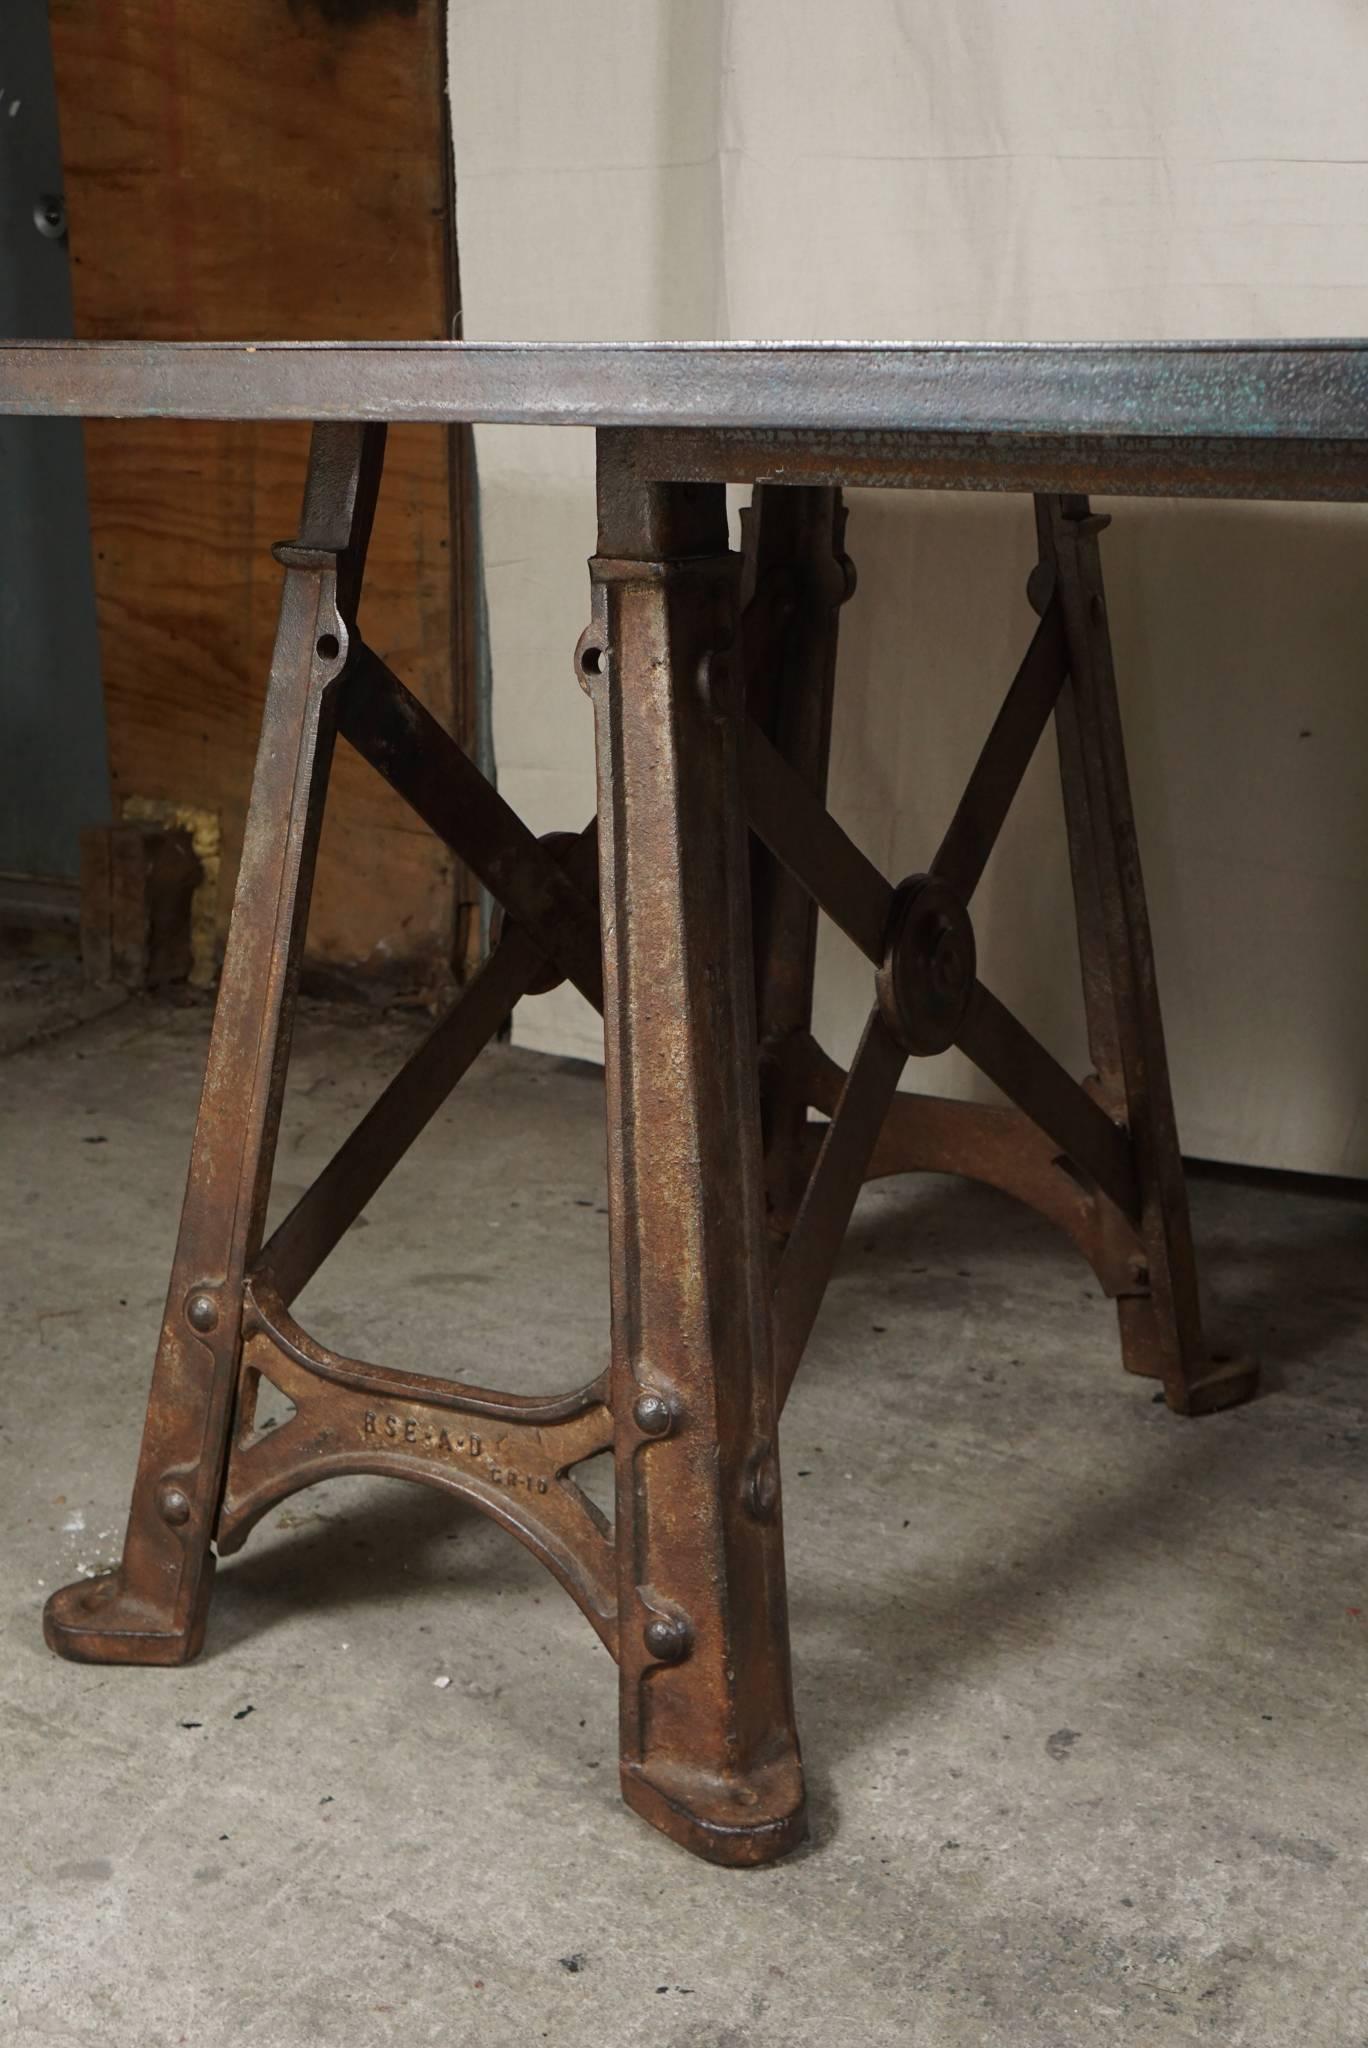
x: 202, y: 1310
x: 668, y: 1638
x: 652, y: 1413
x: 173, y: 1504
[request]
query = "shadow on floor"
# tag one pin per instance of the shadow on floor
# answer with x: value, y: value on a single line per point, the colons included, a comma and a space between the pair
x: 1284, y: 1295
x: 1284, y: 1282
x: 345, y: 1557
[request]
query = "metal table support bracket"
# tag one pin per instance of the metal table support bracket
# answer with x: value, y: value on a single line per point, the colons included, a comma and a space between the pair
x: 711, y: 676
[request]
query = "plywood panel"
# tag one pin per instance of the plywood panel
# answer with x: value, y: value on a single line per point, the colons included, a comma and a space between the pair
x: 254, y: 168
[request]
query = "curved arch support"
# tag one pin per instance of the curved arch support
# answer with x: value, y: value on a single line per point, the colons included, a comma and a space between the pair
x: 508, y: 1455
x: 1000, y: 1147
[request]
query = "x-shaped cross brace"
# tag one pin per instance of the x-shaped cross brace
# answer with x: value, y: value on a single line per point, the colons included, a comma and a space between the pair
x: 551, y: 912
x: 917, y: 936
x: 920, y: 941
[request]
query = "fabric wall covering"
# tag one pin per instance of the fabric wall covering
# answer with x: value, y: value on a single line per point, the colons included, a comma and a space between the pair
x: 976, y: 169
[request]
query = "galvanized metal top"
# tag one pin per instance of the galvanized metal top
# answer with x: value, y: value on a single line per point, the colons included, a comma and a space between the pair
x: 1214, y: 391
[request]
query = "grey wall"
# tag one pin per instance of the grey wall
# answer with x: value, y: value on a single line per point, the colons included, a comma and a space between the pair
x: 54, y: 771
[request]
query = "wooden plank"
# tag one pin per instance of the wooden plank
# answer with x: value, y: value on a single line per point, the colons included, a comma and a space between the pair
x: 235, y: 171
x: 137, y: 883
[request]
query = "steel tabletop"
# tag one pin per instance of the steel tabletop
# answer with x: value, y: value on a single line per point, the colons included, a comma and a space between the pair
x: 1260, y: 419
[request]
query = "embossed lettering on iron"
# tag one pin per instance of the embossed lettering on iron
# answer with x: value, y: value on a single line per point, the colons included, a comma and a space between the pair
x: 379, y: 1425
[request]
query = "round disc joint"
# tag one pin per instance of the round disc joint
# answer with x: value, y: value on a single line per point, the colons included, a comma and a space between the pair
x: 929, y: 965
x: 551, y: 975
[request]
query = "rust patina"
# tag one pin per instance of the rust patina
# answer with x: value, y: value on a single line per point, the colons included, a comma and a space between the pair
x: 687, y: 913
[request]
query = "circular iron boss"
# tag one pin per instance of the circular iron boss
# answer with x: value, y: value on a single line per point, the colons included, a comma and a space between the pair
x: 929, y: 964
x: 550, y: 976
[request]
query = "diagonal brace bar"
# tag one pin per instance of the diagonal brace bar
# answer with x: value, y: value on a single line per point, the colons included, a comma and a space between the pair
x: 326, y: 1210
x: 322, y: 1215
x: 424, y: 765
x: 1006, y: 755
x: 799, y: 830
x: 812, y: 1250
x: 1033, y: 1079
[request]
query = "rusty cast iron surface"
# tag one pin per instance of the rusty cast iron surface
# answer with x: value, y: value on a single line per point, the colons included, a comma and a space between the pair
x: 687, y: 912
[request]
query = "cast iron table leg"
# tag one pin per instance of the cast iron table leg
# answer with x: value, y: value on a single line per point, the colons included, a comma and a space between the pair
x: 1159, y: 1311
x: 708, y: 1746
x: 151, y: 1609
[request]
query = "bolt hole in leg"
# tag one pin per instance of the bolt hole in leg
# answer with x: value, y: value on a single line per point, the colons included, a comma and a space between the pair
x: 329, y: 646
x: 591, y: 655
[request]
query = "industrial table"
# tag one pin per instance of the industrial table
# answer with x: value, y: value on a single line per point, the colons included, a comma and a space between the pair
x: 687, y: 913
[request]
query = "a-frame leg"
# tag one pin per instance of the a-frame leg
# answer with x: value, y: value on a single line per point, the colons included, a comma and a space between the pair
x: 1160, y: 1320
x: 151, y: 1610
x: 709, y: 1751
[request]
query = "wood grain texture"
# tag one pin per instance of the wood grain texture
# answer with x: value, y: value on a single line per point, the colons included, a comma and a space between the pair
x: 262, y: 168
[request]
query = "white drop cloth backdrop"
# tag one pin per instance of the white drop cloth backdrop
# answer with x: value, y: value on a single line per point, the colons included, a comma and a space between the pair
x: 976, y: 169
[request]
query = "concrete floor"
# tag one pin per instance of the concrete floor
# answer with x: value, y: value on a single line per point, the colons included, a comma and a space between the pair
x: 1081, y: 1685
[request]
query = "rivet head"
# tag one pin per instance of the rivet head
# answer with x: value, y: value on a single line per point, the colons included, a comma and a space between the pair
x: 174, y: 1506
x: 762, y: 1487
x: 201, y: 1312
x: 666, y: 1639
x: 652, y: 1414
